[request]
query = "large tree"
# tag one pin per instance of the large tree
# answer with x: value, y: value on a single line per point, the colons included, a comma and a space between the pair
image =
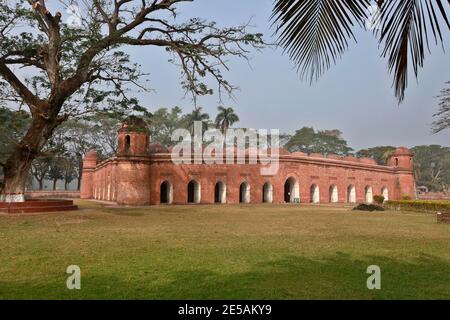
x: 197, y: 115
x: 163, y: 122
x: 54, y: 68
x: 316, y: 33
x: 432, y: 166
x: 442, y: 117
x: 105, y: 126
x: 380, y: 154
x: 39, y: 170
x: 309, y: 140
x: 79, y: 140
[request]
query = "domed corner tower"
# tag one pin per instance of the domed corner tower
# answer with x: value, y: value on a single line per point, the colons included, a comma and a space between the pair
x: 402, y: 160
x: 134, y: 137
x: 133, y: 168
x: 87, y: 182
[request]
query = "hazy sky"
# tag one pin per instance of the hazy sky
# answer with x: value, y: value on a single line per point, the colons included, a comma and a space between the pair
x: 355, y: 96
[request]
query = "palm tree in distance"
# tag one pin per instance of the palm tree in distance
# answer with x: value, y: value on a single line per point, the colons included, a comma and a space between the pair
x: 315, y: 33
x: 197, y: 115
x: 225, y: 118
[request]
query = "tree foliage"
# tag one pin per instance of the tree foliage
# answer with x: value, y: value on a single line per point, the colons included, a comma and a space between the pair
x: 432, y: 166
x: 197, y: 115
x: 379, y: 154
x: 73, y: 70
x: 442, y: 117
x: 309, y: 140
x: 163, y: 122
x: 13, y: 125
x: 225, y: 118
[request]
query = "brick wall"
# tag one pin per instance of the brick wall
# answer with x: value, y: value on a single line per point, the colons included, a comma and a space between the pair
x: 138, y: 180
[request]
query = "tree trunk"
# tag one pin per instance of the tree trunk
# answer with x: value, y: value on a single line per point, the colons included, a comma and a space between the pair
x: 15, y: 181
x: 54, y: 184
x: 19, y: 162
x: 41, y: 184
x: 80, y: 175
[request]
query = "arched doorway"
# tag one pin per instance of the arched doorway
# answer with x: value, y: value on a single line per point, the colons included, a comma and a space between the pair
x: 194, y: 192
x: 351, y: 194
x: 166, y: 193
x: 369, y: 194
x: 291, y: 191
x: 244, y: 193
x: 315, y: 193
x: 334, y: 196
x: 267, y: 193
x: 220, y: 192
x: 127, y: 143
x: 385, y: 193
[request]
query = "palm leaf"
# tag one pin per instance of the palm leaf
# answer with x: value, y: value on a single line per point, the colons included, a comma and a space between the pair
x: 404, y: 33
x: 315, y: 33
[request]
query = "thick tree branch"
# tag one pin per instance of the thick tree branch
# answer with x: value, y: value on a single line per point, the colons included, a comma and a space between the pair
x: 33, y: 101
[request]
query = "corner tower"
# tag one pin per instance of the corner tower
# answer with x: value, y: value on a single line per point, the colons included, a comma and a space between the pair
x: 134, y: 137
x: 87, y: 183
x: 133, y: 166
x: 402, y: 160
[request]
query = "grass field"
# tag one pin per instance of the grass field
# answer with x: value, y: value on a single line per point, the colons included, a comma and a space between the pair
x: 224, y: 252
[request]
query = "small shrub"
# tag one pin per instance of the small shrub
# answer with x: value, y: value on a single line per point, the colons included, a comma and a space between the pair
x: 378, y: 199
x: 406, y: 198
x: 368, y: 207
x: 418, y: 205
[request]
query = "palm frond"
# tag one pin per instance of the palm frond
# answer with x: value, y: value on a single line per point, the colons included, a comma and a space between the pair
x: 404, y: 33
x: 315, y: 33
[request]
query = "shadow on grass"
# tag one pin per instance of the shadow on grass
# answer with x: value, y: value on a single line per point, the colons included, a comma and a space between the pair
x: 293, y: 277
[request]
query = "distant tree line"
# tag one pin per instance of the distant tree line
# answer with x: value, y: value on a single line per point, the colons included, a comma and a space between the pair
x: 62, y: 157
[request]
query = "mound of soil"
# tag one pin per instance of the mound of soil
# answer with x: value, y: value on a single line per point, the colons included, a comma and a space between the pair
x: 368, y: 207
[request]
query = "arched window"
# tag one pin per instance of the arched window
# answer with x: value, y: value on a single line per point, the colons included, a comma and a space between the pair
x: 291, y: 191
x: 108, y: 194
x: 334, y: 196
x: 220, y: 192
x: 194, y: 192
x: 385, y: 193
x: 127, y: 143
x: 267, y: 193
x: 244, y: 193
x: 351, y: 194
x: 315, y: 193
x: 396, y: 162
x: 166, y: 193
x: 369, y: 194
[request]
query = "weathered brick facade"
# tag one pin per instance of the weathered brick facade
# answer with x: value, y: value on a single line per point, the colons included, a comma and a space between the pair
x: 144, y: 174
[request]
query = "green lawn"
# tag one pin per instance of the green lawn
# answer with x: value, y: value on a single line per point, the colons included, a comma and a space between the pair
x: 224, y: 252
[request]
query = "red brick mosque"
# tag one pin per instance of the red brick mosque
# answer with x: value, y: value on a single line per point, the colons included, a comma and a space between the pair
x: 144, y: 174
